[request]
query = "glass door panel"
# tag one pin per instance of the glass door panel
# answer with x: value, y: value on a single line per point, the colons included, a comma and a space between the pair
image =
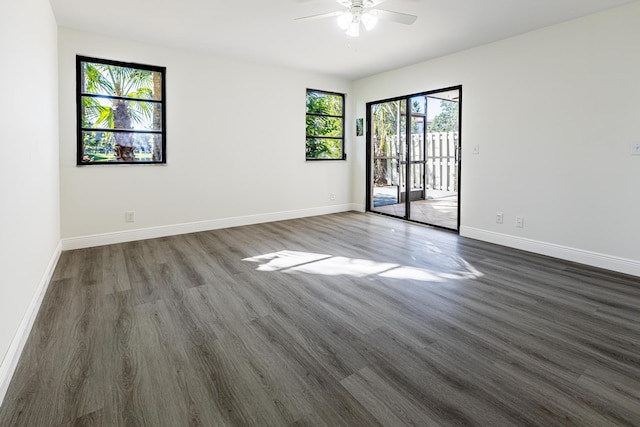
x: 388, y: 136
x: 442, y: 148
x: 413, y: 160
x: 417, y: 161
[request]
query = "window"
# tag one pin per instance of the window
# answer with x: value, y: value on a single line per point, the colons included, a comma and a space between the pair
x: 121, y: 112
x: 325, y: 125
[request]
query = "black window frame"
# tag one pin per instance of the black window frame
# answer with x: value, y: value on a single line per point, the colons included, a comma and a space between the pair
x: 341, y: 117
x: 80, y: 157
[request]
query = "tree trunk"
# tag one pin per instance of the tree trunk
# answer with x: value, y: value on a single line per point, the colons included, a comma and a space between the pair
x: 125, y: 149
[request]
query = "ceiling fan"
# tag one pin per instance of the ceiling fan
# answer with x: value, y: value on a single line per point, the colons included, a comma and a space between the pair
x: 362, y: 12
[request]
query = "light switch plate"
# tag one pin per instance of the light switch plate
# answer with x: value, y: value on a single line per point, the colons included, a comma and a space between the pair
x: 635, y: 148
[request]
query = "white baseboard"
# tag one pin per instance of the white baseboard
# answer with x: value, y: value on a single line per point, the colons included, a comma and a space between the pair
x: 358, y: 207
x: 621, y: 265
x: 195, y: 227
x: 10, y: 361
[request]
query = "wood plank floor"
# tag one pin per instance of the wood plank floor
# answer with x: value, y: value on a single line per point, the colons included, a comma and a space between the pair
x: 339, y: 320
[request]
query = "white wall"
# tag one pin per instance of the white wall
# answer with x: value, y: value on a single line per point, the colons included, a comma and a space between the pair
x: 235, y: 137
x: 29, y: 187
x: 554, y: 112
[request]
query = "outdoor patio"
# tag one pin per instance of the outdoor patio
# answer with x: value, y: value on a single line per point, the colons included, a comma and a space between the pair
x: 440, y: 208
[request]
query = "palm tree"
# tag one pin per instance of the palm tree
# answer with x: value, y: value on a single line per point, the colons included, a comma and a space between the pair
x: 386, y: 124
x: 121, y: 105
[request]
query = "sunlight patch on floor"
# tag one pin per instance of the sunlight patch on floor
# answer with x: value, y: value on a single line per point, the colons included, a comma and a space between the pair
x: 329, y: 265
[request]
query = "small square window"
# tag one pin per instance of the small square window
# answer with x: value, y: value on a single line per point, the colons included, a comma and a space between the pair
x: 121, y: 112
x: 325, y: 125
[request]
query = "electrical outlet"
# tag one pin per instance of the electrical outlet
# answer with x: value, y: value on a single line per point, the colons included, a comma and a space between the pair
x: 332, y: 196
x: 520, y: 221
x: 499, y: 217
x: 130, y: 216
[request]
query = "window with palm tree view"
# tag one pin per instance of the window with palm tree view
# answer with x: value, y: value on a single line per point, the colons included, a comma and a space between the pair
x: 121, y: 112
x: 325, y: 125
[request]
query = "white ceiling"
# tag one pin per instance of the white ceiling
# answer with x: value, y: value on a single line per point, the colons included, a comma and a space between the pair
x: 265, y: 30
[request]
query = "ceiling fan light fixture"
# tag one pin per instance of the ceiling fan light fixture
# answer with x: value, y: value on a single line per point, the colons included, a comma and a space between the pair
x: 363, y: 12
x: 354, y: 29
x: 369, y: 20
x: 345, y: 20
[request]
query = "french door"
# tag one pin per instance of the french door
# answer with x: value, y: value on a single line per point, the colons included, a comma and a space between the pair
x: 413, y: 162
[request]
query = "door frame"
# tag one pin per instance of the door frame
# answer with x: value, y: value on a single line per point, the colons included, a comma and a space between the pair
x: 369, y: 169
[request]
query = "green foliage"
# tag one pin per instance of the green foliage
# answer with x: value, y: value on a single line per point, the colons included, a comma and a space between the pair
x: 324, y: 125
x: 447, y: 120
x: 107, y: 112
x: 324, y: 148
x: 387, y: 121
x: 112, y: 80
x: 418, y: 104
x: 97, y: 142
x: 324, y: 103
x: 99, y: 157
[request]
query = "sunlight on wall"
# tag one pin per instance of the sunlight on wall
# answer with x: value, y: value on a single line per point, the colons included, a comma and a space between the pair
x: 329, y: 265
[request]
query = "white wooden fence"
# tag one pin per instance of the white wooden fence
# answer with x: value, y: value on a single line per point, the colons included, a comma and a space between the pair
x: 440, y: 167
x: 442, y: 161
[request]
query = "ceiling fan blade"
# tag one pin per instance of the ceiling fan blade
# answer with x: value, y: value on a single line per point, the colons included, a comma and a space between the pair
x: 320, y: 16
x: 401, y: 18
x: 364, y: 3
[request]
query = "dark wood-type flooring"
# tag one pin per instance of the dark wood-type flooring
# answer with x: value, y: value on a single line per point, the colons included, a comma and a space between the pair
x: 339, y: 320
